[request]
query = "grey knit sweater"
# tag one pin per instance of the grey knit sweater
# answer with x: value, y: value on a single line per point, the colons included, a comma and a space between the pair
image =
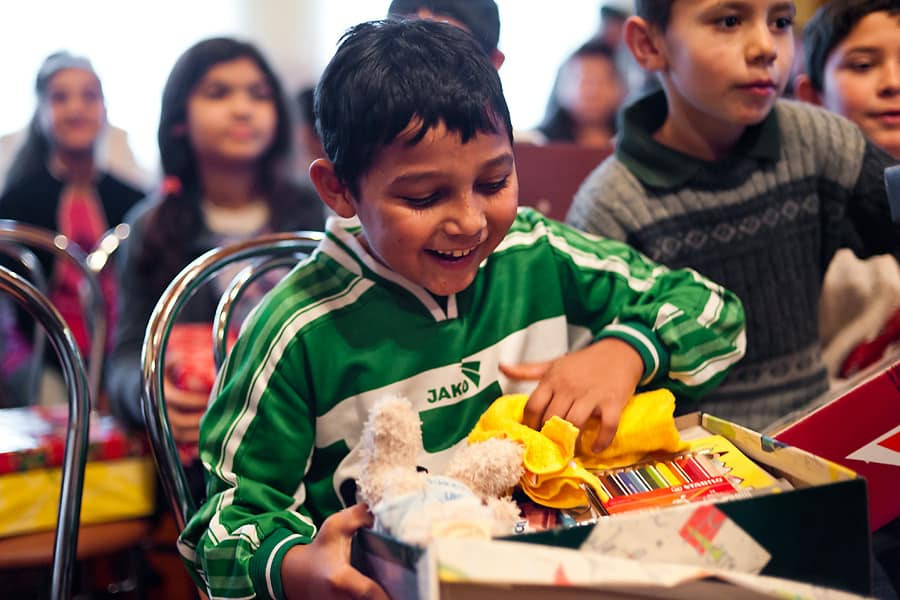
x: 764, y: 223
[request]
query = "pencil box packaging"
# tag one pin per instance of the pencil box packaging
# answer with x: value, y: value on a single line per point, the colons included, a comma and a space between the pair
x: 815, y: 533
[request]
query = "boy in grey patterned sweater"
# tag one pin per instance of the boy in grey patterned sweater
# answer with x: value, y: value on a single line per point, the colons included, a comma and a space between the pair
x: 756, y: 193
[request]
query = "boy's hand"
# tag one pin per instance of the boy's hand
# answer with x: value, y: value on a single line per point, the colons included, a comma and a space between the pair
x: 594, y: 381
x: 184, y: 409
x: 321, y: 569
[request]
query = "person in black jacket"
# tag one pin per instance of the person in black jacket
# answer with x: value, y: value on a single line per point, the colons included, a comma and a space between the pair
x: 53, y: 182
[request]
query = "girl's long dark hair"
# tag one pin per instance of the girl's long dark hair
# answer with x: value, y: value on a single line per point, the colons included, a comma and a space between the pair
x: 175, y: 219
x: 558, y: 124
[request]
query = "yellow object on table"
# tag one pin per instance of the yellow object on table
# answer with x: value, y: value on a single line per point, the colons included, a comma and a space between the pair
x: 119, y: 478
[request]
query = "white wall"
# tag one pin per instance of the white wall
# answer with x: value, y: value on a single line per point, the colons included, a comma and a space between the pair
x: 134, y: 44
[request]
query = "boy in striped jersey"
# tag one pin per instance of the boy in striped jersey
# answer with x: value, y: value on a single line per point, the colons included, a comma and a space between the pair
x: 441, y: 292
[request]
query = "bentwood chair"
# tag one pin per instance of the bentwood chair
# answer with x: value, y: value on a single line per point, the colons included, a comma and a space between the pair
x: 31, y: 236
x: 26, y: 259
x: 75, y: 455
x: 122, y: 538
x: 233, y: 293
x: 176, y: 295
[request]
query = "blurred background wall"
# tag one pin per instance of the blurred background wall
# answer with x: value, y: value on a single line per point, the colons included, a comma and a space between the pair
x: 134, y: 43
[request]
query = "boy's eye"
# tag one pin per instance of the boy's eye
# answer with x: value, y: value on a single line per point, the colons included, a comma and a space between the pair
x: 784, y: 22
x: 423, y: 201
x: 861, y: 65
x: 493, y: 187
x: 730, y: 21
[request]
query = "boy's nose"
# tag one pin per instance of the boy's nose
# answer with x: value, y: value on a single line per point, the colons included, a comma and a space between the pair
x: 889, y: 85
x: 468, y: 217
x: 761, y: 45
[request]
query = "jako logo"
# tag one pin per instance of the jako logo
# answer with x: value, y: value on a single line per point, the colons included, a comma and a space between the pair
x: 455, y: 390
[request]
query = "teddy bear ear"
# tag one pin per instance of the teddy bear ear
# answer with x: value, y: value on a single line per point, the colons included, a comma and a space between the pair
x: 490, y: 468
x: 391, y: 439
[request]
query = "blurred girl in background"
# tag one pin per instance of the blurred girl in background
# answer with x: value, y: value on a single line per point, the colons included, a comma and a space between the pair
x: 54, y: 182
x: 224, y: 136
x: 586, y: 95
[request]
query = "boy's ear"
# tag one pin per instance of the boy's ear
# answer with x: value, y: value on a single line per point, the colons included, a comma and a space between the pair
x: 497, y: 58
x: 645, y: 42
x: 804, y: 90
x: 330, y: 188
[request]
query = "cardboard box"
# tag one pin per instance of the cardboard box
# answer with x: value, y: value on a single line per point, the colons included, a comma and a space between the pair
x: 816, y: 533
x: 858, y: 426
x: 499, y: 570
x: 119, y: 480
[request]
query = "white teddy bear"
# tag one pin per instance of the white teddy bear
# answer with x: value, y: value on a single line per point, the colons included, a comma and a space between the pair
x: 470, y: 500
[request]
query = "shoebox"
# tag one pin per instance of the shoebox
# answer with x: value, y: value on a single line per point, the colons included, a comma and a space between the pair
x: 452, y: 569
x: 858, y: 426
x: 119, y: 479
x: 813, y: 529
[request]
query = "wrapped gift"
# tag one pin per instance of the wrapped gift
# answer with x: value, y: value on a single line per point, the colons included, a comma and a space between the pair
x: 119, y: 475
x: 189, y: 356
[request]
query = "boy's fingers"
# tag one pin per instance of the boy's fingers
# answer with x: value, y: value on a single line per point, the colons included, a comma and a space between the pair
x: 560, y: 406
x: 359, y: 587
x: 186, y: 400
x: 526, y: 371
x: 347, y: 521
x: 579, y: 414
x: 186, y: 435
x: 607, y: 429
x: 183, y: 420
x: 536, y: 406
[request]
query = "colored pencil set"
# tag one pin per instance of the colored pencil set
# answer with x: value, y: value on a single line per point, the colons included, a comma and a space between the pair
x: 674, y: 480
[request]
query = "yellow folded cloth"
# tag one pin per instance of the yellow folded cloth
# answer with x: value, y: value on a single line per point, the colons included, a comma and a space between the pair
x: 556, y: 461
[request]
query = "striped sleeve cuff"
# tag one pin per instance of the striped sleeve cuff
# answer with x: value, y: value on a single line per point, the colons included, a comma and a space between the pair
x: 265, y: 566
x: 647, y: 344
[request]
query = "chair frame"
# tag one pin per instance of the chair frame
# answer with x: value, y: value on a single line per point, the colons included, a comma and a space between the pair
x: 30, y: 263
x: 93, y: 301
x: 235, y: 290
x: 179, y: 291
x: 75, y: 455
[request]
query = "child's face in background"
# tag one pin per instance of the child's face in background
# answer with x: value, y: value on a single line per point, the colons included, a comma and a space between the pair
x: 433, y: 211
x: 862, y: 79
x: 231, y: 114
x: 72, y: 112
x: 590, y: 89
x: 726, y: 62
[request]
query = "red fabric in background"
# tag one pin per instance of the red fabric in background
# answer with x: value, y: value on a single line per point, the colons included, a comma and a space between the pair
x: 189, y: 356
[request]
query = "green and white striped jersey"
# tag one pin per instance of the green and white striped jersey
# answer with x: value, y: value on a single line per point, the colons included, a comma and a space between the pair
x: 342, y: 331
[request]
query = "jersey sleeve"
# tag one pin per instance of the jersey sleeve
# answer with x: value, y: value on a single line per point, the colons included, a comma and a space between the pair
x: 688, y: 329
x: 234, y: 545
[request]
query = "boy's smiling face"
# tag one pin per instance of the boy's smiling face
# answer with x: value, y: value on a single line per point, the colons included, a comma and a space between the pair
x: 726, y: 62
x: 434, y: 210
x: 862, y: 79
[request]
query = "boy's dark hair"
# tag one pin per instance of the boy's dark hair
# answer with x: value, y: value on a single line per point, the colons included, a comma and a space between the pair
x: 305, y: 105
x: 386, y: 74
x: 611, y: 13
x: 655, y: 12
x: 480, y: 17
x: 830, y: 25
